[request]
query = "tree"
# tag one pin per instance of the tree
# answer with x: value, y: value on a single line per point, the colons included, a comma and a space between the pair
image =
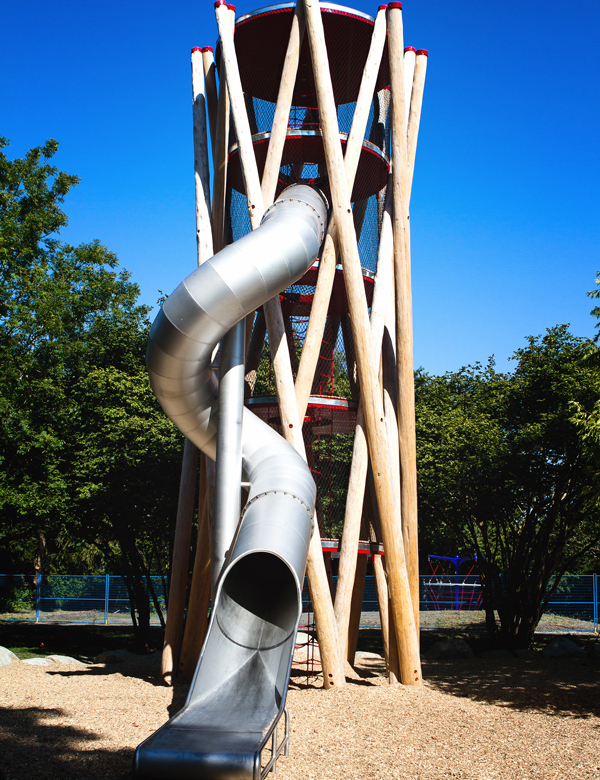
x: 504, y: 475
x: 88, y: 459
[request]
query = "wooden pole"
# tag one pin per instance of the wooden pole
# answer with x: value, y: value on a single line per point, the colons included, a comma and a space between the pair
x: 383, y: 604
x: 220, y: 152
x: 316, y: 323
x: 370, y: 391
x: 381, y: 304
x: 254, y: 353
x: 180, y: 563
x: 318, y: 314
x: 331, y: 659
x: 358, y: 592
x: 201, y: 174
x: 350, y: 355
x: 183, y: 525
x: 212, y: 93
x: 416, y: 103
x: 404, y: 331
x: 196, y: 623
x: 410, y: 54
x: 282, y: 107
x: 330, y: 335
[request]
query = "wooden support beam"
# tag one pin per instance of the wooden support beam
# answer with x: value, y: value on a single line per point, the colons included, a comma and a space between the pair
x: 185, y: 510
x: 282, y: 107
x: 350, y: 357
x: 414, y: 117
x: 254, y: 352
x: 382, y: 303
x: 201, y: 173
x: 316, y: 323
x: 358, y: 592
x: 332, y: 662
x: 383, y: 604
x: 326, y: 354
x: 404, y: 326
x: 180, y: 564
x: 196, y: 623
x: 212, y: 93
x: 371, y: 394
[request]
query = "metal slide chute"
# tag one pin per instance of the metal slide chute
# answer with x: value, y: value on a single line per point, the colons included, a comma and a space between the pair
x: 240, y: 685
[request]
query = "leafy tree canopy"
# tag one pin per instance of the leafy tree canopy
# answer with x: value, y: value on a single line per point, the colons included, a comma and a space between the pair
x: 504, y: 475
x: 87, y: 474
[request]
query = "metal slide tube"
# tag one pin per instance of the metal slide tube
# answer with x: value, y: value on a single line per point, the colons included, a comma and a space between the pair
x: 229, y: 446
x: 239, y: 689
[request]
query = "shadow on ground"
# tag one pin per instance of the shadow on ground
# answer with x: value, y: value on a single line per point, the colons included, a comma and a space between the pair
x: 565, y: 686
x: 33, y: 745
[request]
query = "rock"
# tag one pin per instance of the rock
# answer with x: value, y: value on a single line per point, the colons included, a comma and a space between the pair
x: 64, y: 659
x: 524, y: 653
x: 449, y: 648
x: 305, y: 639
x: 7, y: 656
x: 38, y: 662
x: 306, y: 648
x: 360, y: 654
x: 501, y: 652
x: 112, y: 657
x: 560, y: 647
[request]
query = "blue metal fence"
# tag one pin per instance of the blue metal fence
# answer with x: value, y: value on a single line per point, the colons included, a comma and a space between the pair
x: 104, y: 599
x: 66, y: 598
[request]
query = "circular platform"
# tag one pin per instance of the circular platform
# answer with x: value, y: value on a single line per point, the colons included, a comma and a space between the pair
x: 261, y: 40
x: 296, y: 300
x: 303, y: 160
x: 330, y: 414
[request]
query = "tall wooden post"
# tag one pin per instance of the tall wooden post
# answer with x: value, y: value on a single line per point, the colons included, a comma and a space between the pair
x: 372, y: 402
x: 404, y: 326
x: 180, y: 564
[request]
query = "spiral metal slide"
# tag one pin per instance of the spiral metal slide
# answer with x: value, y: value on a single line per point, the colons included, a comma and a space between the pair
x: 239, y: 689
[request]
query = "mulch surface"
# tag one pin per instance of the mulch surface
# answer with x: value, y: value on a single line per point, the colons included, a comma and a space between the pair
x: 475, y: 719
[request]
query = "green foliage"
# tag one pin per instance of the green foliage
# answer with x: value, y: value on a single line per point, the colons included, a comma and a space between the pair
x: 88, y: 461
x: 17, y: 595
x: 330, y: 459
x: 504, y: 474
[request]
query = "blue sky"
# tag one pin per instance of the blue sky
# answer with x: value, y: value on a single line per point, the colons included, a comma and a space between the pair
x: 505, y: 208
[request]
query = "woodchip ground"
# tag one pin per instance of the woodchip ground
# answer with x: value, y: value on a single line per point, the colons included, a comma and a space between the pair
x: 475, y: 719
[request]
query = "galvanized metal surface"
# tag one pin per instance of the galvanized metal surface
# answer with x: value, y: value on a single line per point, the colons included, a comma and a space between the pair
x: 229, y: 447
x: 239, y: 689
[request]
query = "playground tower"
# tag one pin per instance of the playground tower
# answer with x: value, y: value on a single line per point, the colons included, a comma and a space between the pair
x: 325, y: 96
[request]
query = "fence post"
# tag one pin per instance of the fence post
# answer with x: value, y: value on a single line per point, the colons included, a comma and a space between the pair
x: 106, y: 592
x: 595, y: 597
x: 38, y: 596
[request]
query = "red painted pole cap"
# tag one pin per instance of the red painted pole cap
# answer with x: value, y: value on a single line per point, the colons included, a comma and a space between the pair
x: 394, y: 5
x: 424, y: 52
x: 382, y: 8
x: 207, y: 48
x: 410, y: 48
x: 231, y: 7
x: 196, y: 48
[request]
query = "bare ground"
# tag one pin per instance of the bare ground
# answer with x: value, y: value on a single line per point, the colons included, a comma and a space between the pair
x: 476, y: 719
